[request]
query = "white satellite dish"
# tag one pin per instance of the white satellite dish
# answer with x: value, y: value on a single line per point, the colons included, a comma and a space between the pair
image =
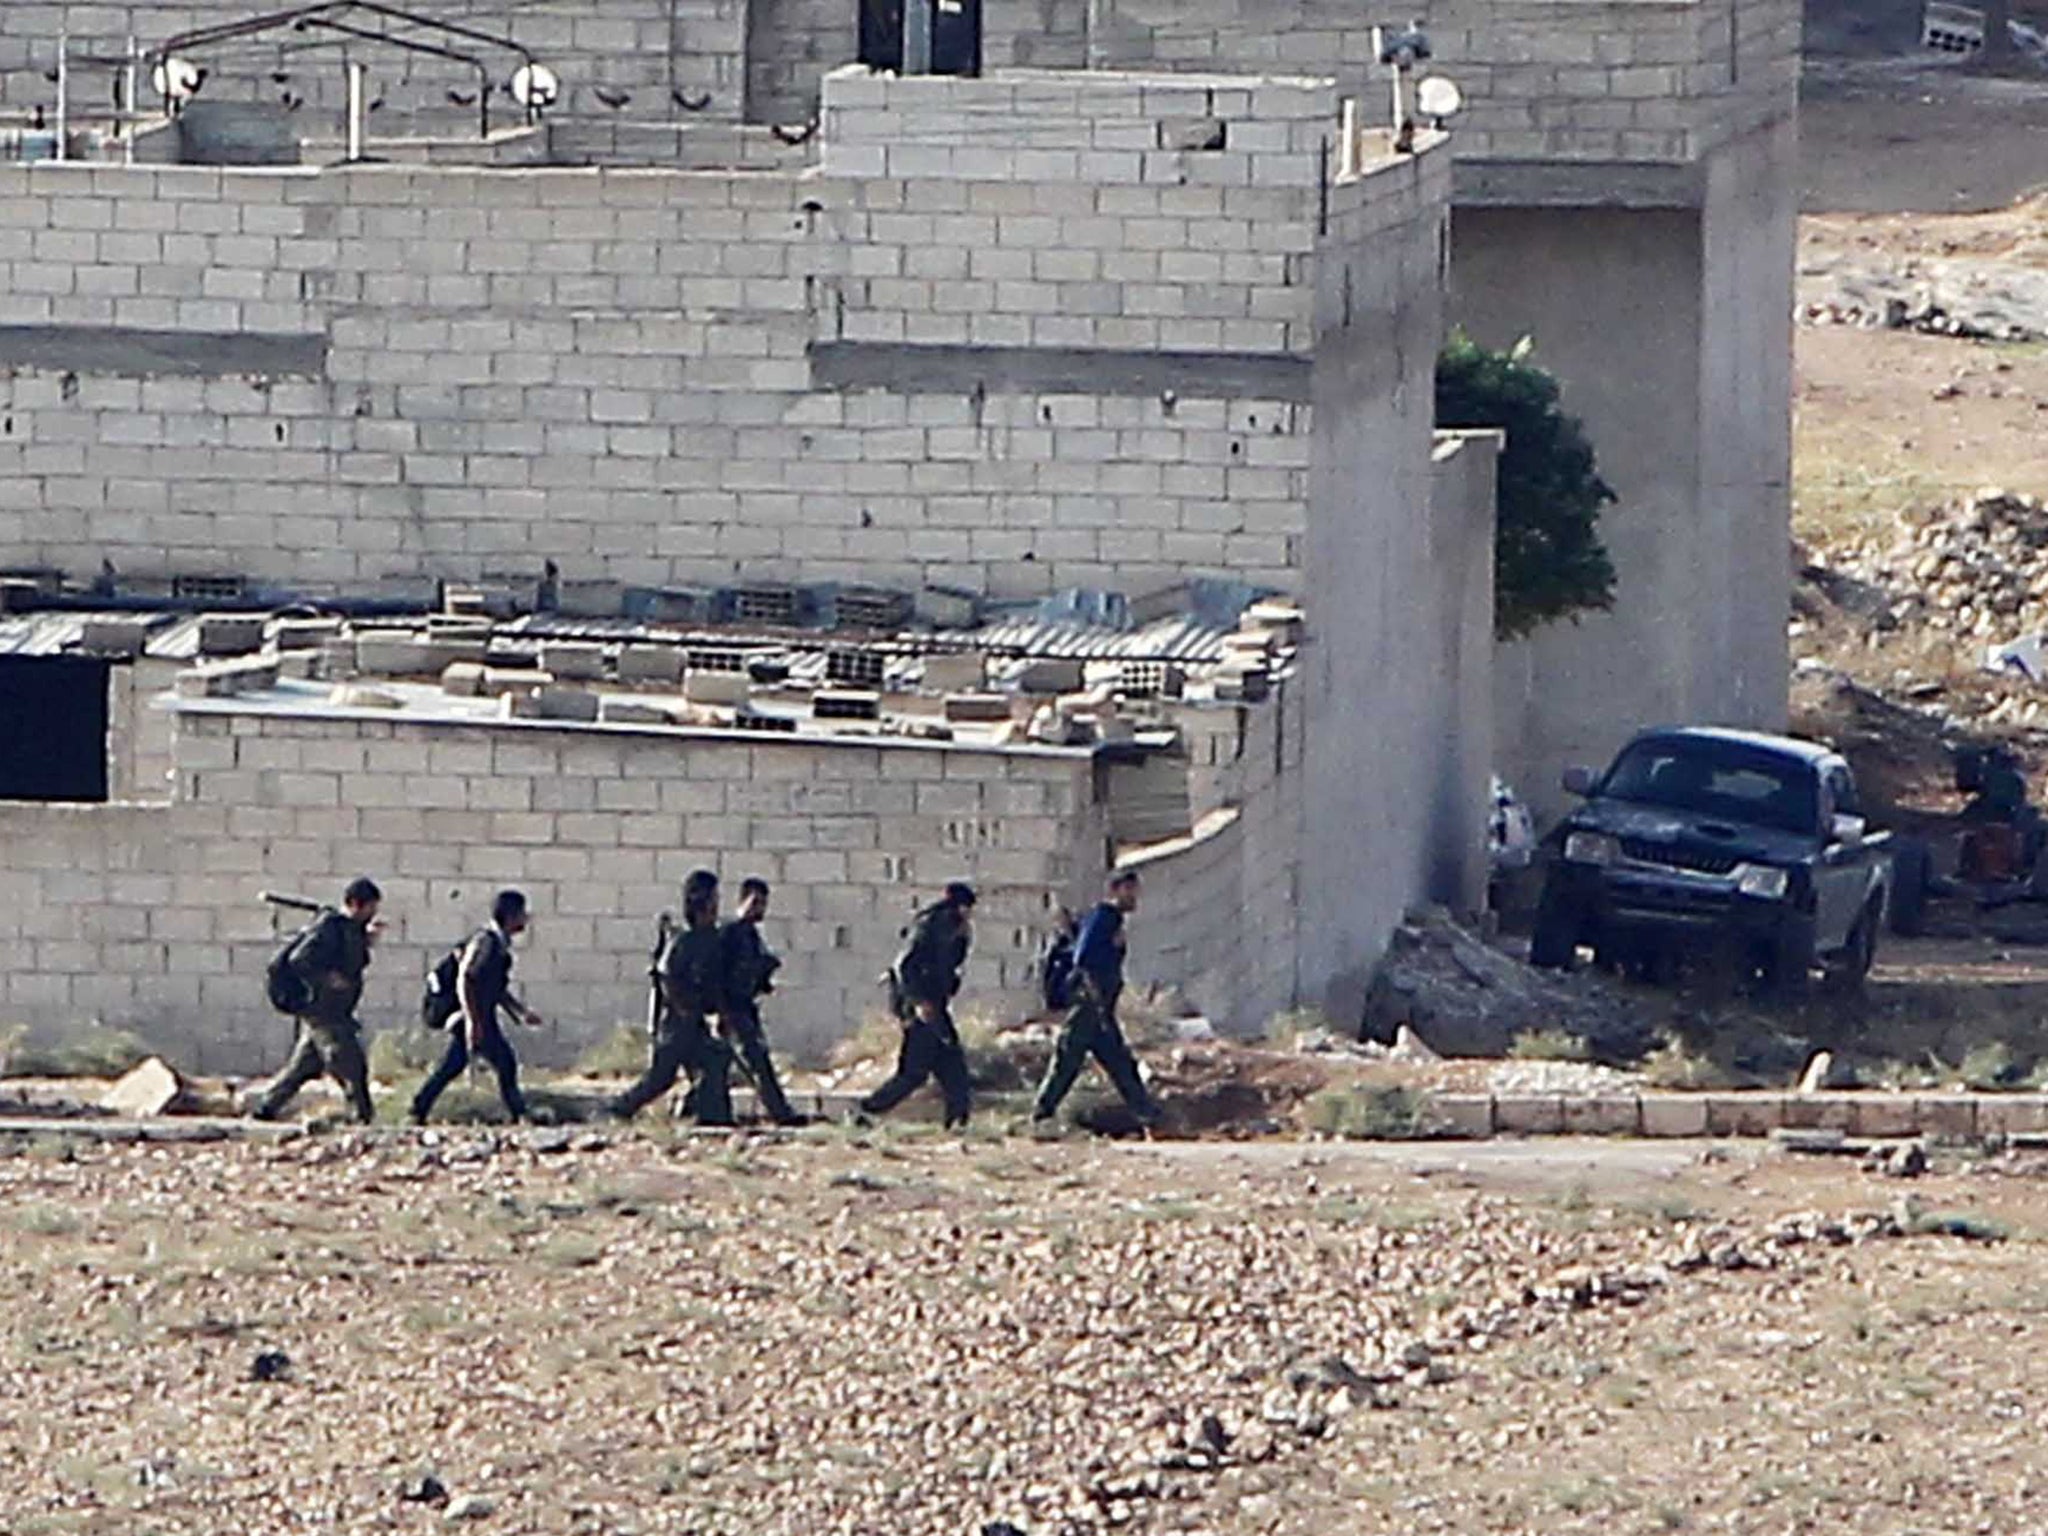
x: 176, y: 78
x: 1438, y: 98
x: 535, y: 87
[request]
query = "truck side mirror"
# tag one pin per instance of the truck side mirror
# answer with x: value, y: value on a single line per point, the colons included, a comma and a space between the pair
x: 1847, y: 831
x: 1579, y: 781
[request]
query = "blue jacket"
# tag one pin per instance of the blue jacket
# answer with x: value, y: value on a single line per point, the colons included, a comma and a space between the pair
x: 1099, y: 952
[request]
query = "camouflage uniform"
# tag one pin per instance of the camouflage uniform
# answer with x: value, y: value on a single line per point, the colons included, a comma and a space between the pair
x: 330, y: 959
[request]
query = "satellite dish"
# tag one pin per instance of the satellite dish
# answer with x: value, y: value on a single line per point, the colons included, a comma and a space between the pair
x: 176, y: 78
x: 1438, y: 98
x: 535, y: 87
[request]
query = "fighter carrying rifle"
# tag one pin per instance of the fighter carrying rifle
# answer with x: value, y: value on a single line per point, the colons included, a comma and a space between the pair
x: 317, y: 979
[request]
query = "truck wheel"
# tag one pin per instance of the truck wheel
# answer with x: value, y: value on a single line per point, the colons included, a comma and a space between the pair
x: 1788, y: 965
x: 1555, y: 944
x: 1847, y: 970
x: 1912, y: 868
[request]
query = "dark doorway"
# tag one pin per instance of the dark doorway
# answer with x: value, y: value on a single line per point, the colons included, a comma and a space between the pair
x: 53, y: 728
x: 881, y: 34
x: 955, y: 35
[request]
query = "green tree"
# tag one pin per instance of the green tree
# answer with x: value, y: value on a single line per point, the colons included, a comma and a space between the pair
x: 1548, y: 561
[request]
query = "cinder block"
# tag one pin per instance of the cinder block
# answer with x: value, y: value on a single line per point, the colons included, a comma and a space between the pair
x: 1528, y: 1114
x: 550, y: 703
x: 1744, y: 1114
x: 2012, y: 1114
x: 230, y: 634
x: 1673, y: 1114
x: 1820, y: 1112
x: 1457, y: 1116
x: 615, y: 710
x: 960, y: 672
x: 304, y: 634
x: 651, y: 664
x: 114, y: 636
x: 1884, y: 1115
x: 464, y: 679
x: 507, y: 680
x: 986, y: 707
x: 394, y: 654
x: 1053, y: 677
x: 572, y: 660
x: 731, y: 690
x: 1603, y: 1115
x: 1950, y: 1115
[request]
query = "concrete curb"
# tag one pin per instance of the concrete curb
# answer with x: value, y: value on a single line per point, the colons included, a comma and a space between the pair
x: 1948, y: 1116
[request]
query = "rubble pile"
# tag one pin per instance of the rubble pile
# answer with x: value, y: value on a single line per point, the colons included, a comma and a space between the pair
x: 1976, y: 570
x: 1462, y: 997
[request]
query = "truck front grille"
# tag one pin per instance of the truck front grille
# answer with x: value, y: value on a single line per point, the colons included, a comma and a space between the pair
x: 1668, y: 857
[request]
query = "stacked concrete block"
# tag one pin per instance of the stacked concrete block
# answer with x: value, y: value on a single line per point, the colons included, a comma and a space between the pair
x: 1599, y: 83
x: 657, y: 664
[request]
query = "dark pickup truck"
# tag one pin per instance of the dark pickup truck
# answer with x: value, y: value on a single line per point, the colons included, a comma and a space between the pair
x: 1703, y: 841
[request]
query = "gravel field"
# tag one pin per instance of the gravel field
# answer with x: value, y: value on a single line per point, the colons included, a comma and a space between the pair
x: 899, y: 1333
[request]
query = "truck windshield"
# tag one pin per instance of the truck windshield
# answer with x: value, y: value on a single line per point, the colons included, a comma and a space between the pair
x: 1721, y: 779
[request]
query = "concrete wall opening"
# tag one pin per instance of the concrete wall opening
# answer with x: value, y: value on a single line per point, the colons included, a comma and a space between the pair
x: 53, y: 729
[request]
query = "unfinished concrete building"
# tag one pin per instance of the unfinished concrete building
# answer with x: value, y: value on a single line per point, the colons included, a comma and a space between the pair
x: 878, y: 420
x: 1141, y: 315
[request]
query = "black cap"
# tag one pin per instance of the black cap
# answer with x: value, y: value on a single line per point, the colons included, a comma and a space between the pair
x: 959, y: 894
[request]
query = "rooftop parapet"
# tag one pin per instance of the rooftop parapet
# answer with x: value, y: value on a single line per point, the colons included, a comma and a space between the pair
x: 1656, y: 82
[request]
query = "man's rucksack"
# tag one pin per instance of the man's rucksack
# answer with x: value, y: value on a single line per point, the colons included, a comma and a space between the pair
x: 282, y: 983
x: 1056, y: 968
x: 442, y: 999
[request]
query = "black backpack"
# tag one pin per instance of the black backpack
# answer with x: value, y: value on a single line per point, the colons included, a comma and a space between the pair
x: 1056, y: 969
x: 442, y: 999
x: 282, y: 983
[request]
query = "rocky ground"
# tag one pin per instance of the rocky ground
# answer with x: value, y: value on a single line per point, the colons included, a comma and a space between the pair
x: 900, y: 1333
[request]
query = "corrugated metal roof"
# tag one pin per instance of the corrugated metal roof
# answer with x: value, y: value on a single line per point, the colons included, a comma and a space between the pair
x: 1182, y: 638
x: 54, y: 633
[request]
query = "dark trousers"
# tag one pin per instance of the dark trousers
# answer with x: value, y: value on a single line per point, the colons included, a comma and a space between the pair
x: 743, y: 1030
x: 1091, y: 1030
x: 929, y: 1050
x: 335, y: 1048
x: 686, y: 1045
x: 493, y: 1048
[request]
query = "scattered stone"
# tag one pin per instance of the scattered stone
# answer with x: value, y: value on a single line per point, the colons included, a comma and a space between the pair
x: 1459, y: 996
x: 1906, y: 1162
x: 1408, y: 1047
x: 1815, y: 1078
x: 471, y: 1506
x: 150, y: 1088
x: 426, y: 1489
x: 271, y: 1365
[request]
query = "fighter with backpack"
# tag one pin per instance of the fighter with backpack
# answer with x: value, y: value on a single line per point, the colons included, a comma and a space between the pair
x: 317, y: 979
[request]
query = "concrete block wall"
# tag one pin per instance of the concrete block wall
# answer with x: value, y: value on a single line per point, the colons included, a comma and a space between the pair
x: 1645, y: 80
x: 614, y: 370
x: 1066, y: 126
x: 1594, y: 80
x: 147, y: 917
x: 647, y: 48
x: 1686, y: 400
x: 1221, y: 918
x: 1375, y: 730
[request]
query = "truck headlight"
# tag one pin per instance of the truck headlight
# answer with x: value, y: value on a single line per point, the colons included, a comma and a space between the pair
x: 1763, y: 882
x: 1590, y: 848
